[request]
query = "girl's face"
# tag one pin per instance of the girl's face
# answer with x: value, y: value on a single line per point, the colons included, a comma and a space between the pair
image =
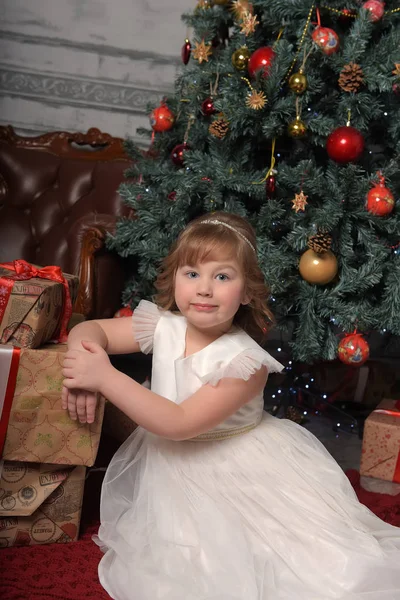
x: 210, y: 293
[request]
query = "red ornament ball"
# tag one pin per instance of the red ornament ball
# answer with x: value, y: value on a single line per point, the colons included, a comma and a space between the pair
x: 396, y: 88
x: 346, y: 15
x: 376, y: 9
x: 326, y: 39
x: 207, y: 107
x: 186, y: 51
x: 125, y: 311
x: 261, y: 59
x: 353, y: 350
x: 345, y: 144
x: 270, y: 186
x: 380, y: 200
x: 178, y: 154
x: 161, y: 119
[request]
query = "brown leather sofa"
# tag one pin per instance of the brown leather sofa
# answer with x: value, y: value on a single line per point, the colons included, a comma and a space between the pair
x: 58, y: 198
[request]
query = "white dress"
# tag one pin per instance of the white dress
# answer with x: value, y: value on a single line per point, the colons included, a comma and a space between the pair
x: 255, y: 510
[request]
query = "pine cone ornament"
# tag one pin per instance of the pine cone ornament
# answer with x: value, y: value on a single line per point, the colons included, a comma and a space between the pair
x: 351, y: 77
x: 321, y: 242
x: 219, y: 128
x: 294, y: 414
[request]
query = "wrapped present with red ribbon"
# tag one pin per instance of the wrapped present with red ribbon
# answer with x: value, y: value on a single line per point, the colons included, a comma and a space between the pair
x: 35, y: 303
x: 380, y: 457
x: 33, y: 425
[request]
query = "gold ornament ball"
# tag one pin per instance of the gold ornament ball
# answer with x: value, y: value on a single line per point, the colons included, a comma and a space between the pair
x: 298, y: 82
x: 297, y: 129
x: 318, y: 268
x: 240, y: 58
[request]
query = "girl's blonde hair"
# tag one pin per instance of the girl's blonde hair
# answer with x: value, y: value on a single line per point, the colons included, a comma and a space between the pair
x: 203, y: 240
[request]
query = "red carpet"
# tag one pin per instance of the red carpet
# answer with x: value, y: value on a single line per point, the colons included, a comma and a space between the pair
x: 69, y: 571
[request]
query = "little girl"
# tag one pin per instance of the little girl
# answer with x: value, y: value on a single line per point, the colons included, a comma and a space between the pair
x: 211, y: 498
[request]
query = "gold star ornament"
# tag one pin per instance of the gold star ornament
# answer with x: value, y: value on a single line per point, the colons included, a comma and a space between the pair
x: 256, y: 100
x: 202, y: 51
x: 248, y: 24
x: 204, y: 4
x: 299, y: 202
x: 240, y: 8
x: 396, y: 70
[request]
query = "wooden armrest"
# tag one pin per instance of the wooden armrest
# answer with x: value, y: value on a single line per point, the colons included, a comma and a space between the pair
x: 90, y: 232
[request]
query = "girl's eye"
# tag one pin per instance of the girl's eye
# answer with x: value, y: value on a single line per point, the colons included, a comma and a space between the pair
x: 191, y: 274
x: 222, y: 277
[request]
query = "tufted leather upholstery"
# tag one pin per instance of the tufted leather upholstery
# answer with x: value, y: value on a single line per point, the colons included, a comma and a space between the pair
x: 58, y: 196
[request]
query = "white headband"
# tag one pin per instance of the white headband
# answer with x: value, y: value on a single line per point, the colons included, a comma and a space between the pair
x: 217, y: 222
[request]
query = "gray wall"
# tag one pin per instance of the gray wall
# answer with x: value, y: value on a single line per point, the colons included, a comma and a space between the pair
x: 74, y: 64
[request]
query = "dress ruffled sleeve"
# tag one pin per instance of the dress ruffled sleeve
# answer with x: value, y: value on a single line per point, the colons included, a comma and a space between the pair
x: 144, y: 319
x: 241, y: 366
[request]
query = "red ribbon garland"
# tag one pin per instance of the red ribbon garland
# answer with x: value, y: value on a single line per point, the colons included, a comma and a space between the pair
x: 5, y: 405
x: 23, y: 270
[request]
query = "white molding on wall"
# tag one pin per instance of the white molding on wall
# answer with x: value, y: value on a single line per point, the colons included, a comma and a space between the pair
x: 83, y: 91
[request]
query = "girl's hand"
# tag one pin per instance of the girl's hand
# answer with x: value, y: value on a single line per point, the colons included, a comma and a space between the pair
x: 86, y: 370
x: 80, y: 404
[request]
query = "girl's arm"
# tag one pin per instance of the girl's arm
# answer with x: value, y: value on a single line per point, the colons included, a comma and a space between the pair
x: 205, y: 409
x: 116, y: 336
x: 198, y: 414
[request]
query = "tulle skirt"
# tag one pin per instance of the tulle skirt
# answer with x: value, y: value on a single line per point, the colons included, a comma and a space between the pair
x: 268, y: 515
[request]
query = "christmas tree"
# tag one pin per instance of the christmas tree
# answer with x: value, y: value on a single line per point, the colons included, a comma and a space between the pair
x: 286, y: 112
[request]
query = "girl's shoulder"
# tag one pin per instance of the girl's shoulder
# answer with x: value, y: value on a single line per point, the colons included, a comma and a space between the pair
x: 235, y: 354
x: 153, y: 325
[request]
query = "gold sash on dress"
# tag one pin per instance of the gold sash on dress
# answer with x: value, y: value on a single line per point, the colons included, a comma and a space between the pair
x: 223, y: 434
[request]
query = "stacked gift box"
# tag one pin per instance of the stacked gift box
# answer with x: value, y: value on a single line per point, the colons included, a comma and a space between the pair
x: 44, y: 454
x: 380, y: 457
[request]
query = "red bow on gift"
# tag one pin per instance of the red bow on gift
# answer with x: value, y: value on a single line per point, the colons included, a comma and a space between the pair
x: 23, y: 270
